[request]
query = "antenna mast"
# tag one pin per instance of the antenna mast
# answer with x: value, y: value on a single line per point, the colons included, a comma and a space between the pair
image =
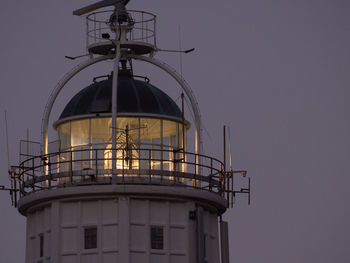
x: 7, y: 143
x: 229, y: 146
x: 180, y: 48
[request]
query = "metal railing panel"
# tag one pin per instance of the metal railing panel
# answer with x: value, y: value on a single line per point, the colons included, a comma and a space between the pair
x: 91, y: 164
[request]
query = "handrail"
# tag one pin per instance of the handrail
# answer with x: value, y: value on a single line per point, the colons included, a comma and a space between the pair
x: 137, y: 164
x: 141, y: 28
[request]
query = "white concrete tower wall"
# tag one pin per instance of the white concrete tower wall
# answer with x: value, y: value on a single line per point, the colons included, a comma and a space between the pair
x: 58, y: 230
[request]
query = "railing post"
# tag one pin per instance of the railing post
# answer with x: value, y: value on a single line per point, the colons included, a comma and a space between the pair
x: 71, y: 167
x: 176, y: 164
x: 96, y: 162
x: 196, y: 169
x: 232, y: 185
x: 161, y: 164
x: 33, y: 180
x: 223, y: 182
x: 50, y: 175
x: 220, y: 179
x: 149, y: 165
x: 211, y: 174
x: 227, y: 174
x: 33, y: 167
x: 33, y: 185
x: 15, y: 186
x: 21, y: 185
x: 139, y: 160
x: 161, y: 158
x: 59, y: 162
x: 123, y: 158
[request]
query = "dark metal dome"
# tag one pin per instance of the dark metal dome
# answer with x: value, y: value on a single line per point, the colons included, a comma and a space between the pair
x: 134, y: 96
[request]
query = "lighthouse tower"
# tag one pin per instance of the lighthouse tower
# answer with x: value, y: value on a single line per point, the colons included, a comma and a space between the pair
x: 122, y: 184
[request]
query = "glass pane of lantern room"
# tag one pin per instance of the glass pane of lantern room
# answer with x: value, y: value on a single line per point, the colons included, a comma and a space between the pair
x: 101, y: 131
x: 80, y: 132
x: 178, y: 144
x: 64, y: 135
x: 128, y: 129
x: 169, y: 140
x: 128, y: 143
x: 182, y: 145
x: 149, y: 129
x: 150, y: 142
x: 101, y: 139
x: 80, y: 136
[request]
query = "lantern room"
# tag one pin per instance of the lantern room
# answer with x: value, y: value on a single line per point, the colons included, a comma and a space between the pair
x: 150, y: 127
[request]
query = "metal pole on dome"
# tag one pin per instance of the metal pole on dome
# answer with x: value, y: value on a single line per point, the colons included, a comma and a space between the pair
x: 114, y: 98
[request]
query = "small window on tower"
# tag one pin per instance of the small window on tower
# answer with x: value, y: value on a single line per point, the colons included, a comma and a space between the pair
x: 90, y: 237
x: 157, y: 237
x: 41, y: 245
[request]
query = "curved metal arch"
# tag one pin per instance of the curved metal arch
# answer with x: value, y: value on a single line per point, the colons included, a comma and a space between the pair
x: 171, y: 71
x: 60, y: 85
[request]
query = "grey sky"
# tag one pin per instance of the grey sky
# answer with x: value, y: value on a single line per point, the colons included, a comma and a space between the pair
x: 276, y: 72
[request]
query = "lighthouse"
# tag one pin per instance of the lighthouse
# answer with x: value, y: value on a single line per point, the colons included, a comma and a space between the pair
x: 125, y: 181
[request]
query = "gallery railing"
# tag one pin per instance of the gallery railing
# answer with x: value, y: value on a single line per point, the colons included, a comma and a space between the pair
x: 88, y: 165
x: 141, y: 27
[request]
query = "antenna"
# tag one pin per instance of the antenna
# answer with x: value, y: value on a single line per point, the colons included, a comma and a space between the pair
x: 230, y: 174
x: 7, y: 143
x: 27, y: 141
x: 180, y: 53
x: 179, y: 50
x: 73, y: 58
x: 176, y: 51
x: 224, y: 137
x: 229, y: 146
x: 119, y: 4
